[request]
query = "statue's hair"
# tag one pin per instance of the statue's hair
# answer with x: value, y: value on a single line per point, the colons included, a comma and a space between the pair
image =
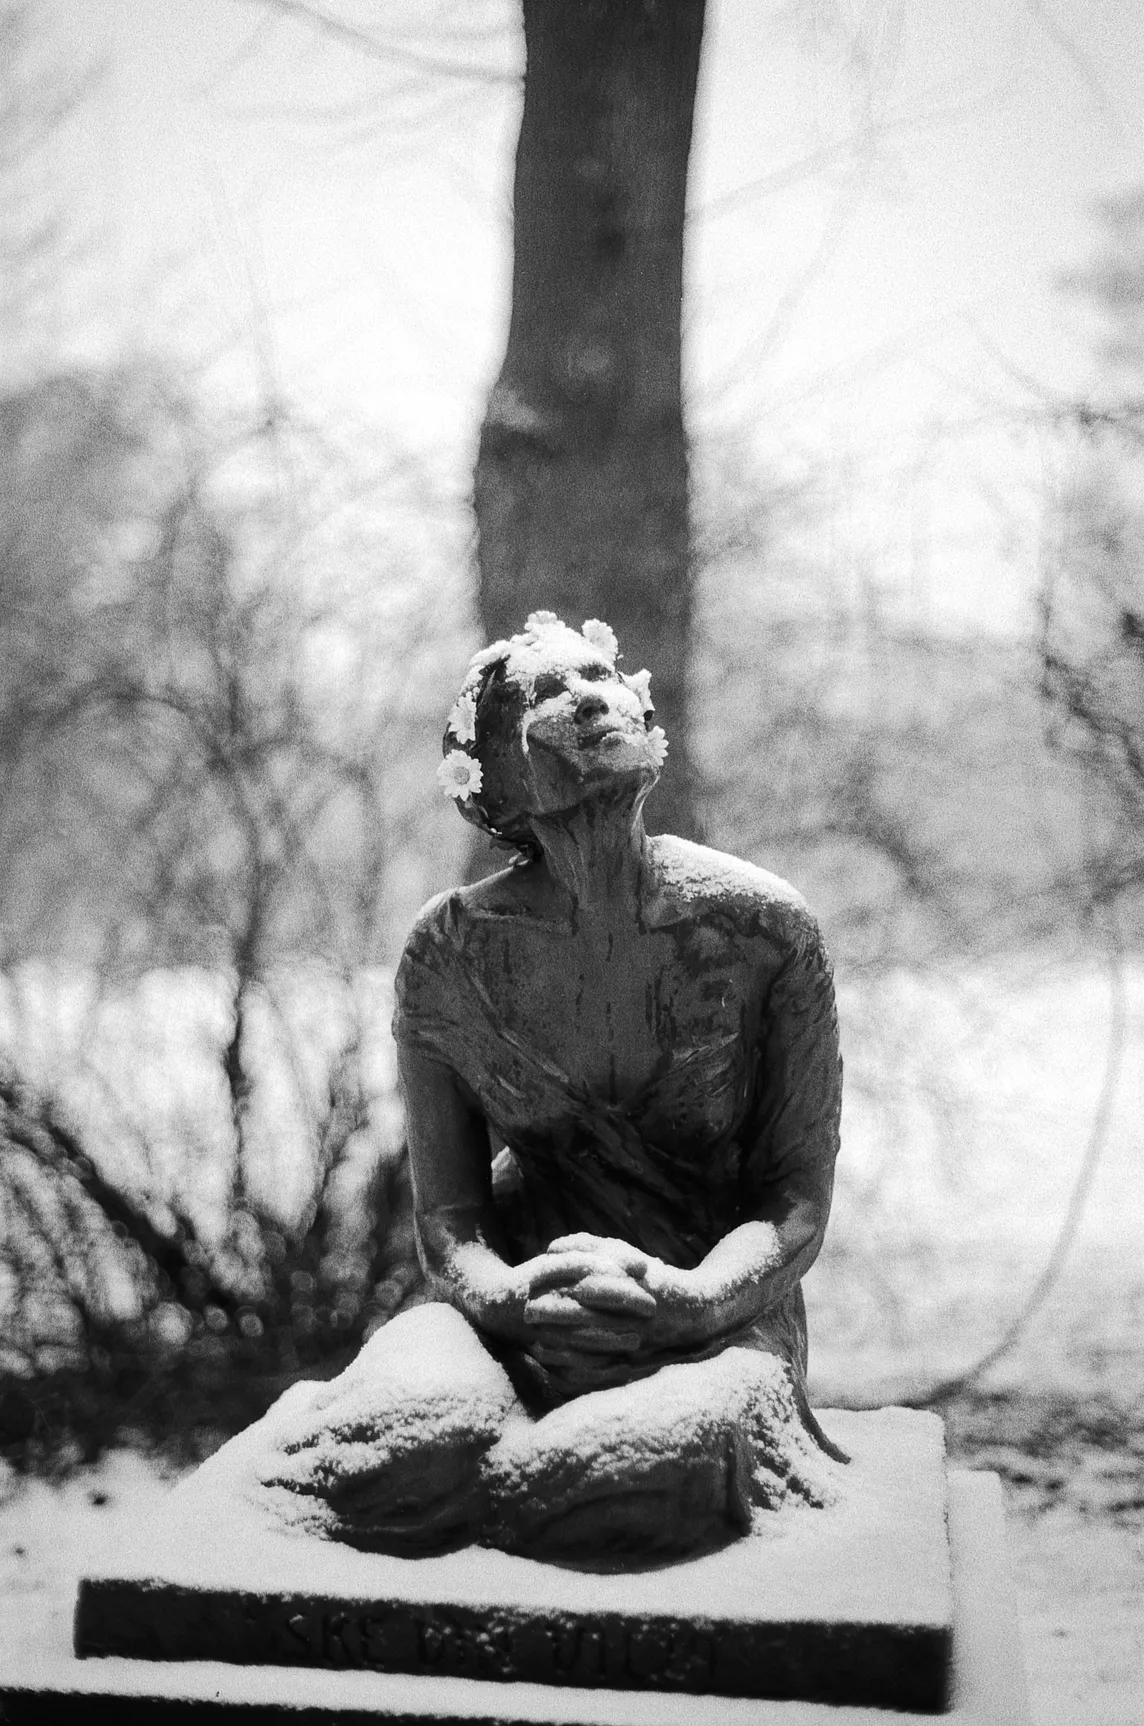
x: 497, y: 715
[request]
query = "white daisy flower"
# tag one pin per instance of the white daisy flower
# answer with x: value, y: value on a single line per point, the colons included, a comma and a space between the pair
x: 657, y: 737
x: 601, y: 636
x: 459, y: 776
x: 639, y: 682
x: 463, y: 719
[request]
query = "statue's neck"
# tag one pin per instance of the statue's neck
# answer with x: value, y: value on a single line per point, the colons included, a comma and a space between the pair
x: 595, y: 853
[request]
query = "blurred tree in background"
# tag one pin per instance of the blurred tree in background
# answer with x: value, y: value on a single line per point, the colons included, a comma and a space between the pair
x: 187, y: 698
x: 581, y: 483
x: 1092, y: 597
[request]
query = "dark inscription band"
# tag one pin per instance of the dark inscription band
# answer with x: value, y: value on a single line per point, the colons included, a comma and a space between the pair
x: 873, y: 1665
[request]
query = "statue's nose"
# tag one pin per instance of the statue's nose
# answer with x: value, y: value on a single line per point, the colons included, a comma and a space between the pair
x: 591, y: 705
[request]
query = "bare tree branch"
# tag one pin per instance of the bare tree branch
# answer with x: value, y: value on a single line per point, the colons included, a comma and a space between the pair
x: 387, y: 50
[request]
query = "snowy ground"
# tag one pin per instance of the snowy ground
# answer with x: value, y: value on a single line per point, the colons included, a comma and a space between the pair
x: 1081, y: 1592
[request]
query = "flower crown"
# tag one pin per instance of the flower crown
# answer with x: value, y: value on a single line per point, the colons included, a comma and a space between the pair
x: 460, y: 774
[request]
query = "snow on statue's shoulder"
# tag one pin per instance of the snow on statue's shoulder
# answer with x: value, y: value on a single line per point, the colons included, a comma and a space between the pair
x: 691, y: 879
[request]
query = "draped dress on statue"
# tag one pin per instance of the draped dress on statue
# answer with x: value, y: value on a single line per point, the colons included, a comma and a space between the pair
x: 743, y: 1095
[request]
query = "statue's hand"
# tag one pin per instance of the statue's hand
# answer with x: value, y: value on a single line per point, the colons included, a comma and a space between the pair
x: 599, y: 1309
x: 585, y: 1295
x: 568, y: 1250
x: 673, y: 1308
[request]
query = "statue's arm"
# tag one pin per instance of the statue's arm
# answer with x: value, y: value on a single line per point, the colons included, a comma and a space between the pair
x: 457, y: 1235
x: 788, y: 1160
x: 789, y: 1156
x: 751, y: 1269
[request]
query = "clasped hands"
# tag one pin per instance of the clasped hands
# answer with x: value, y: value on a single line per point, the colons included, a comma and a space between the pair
x: 599, y: 1311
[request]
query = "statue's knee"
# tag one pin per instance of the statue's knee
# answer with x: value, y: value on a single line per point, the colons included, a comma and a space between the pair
x: 427, y: 1332
x: 602, y: 1505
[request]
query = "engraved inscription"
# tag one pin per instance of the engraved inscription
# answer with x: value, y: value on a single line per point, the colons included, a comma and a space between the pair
x: 578, y: 1652
x: 390, y: 1642
x: 306, y: 1628
x: 649, y: 1652
x: 342, y: 1639
x: 447, y: 1646
x: 691, y: 1660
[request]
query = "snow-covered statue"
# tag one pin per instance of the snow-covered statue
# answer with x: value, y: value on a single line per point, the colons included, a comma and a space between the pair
x: 622, y: 1080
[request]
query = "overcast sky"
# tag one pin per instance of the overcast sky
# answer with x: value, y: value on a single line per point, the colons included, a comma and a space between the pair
x: 883, y: 197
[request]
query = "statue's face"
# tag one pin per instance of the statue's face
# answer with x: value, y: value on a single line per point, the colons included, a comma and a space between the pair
x: 580, y: 728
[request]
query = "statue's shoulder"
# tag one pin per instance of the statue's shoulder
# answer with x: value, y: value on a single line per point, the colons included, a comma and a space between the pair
x: 696, y: 881
x: 443, y: 955
x: 443, y: 923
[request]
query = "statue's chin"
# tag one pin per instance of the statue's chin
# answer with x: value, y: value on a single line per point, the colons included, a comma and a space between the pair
x: 614, y: 792
x: 572, y: 770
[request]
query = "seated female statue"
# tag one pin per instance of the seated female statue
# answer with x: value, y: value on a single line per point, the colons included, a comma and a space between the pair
x: 620, y: 1065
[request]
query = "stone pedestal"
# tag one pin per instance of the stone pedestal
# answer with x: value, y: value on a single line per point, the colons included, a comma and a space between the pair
x: 849, y: 1604
x: 788, y: 1627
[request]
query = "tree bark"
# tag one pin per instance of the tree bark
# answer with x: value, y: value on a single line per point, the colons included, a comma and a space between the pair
x: 581, y: 484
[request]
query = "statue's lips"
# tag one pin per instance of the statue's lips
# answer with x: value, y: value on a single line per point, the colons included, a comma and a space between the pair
x: 595, y: 734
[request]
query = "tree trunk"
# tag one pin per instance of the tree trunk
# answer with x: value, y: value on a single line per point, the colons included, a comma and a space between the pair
x: 581, y: 478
